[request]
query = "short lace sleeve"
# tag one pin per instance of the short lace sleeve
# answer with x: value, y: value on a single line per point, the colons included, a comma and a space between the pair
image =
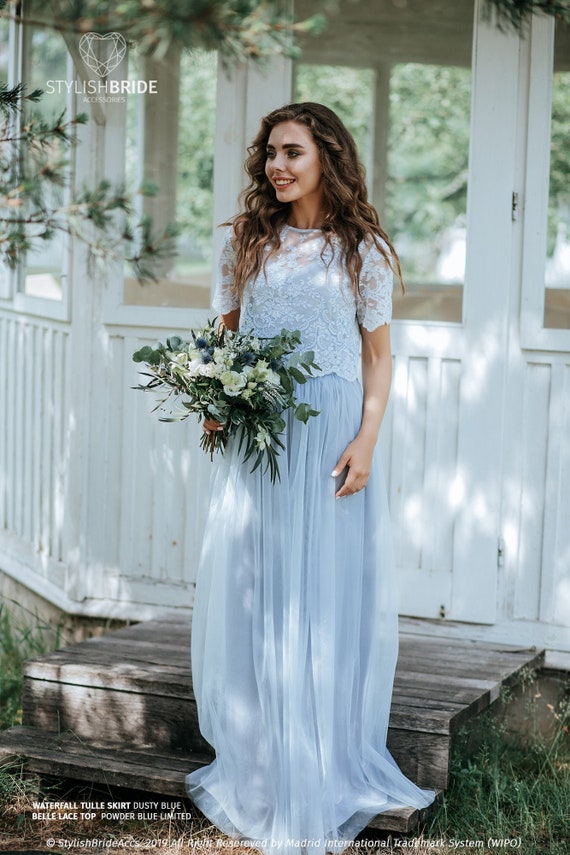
x: 374, y: 299
x: 225, y: 299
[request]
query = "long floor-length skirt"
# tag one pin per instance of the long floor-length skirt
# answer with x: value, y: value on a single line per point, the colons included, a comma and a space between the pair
x: 294, y: 642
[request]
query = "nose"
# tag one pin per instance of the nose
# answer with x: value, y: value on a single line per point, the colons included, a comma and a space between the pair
x: 277, y: 163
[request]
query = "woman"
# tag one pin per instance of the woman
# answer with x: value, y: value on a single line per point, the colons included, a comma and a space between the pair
x: 294, y: 638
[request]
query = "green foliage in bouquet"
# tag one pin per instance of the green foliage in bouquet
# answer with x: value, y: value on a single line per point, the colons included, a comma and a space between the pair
x: 244, y: 382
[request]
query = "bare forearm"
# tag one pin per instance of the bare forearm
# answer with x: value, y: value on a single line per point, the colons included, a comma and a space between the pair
x: 376, y: 382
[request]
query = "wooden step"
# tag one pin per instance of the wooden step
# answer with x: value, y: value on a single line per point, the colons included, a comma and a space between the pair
x: 158, y: 772
x: 133, y: 688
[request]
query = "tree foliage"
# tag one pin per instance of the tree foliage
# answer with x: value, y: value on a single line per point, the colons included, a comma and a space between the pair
x: 238, y: 29
x: 35, y: 147
x: 516, y: 13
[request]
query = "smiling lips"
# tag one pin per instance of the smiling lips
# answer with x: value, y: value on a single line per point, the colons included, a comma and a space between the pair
x: 283, y: 182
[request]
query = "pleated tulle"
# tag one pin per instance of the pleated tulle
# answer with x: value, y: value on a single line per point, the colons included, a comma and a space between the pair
x: 294, y: 643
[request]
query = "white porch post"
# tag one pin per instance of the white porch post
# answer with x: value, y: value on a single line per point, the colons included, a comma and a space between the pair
x: 244, y: 95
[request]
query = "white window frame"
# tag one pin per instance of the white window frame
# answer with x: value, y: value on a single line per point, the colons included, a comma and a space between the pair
x: 534, y: 335
x: 22, y: 302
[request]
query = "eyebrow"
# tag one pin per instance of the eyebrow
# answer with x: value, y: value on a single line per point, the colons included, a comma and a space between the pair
x: 286, y: 145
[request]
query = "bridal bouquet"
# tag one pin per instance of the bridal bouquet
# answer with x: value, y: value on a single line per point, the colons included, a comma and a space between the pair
x: 242, y: 381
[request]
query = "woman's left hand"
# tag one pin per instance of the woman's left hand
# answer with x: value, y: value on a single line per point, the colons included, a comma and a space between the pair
x: 358, y: 457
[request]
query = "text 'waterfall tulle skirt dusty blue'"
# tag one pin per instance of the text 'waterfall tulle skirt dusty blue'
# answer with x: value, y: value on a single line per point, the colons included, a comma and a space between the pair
x: 294, y: 642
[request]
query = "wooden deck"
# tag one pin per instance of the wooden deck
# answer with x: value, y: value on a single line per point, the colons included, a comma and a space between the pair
x: 119, y: 709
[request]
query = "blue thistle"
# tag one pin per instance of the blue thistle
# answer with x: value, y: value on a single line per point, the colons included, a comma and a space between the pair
x: 201, y: 343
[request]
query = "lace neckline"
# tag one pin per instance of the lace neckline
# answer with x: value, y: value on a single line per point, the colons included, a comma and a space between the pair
x: 295, y: 229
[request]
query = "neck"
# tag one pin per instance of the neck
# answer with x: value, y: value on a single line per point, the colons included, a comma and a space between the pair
x: 304, y: 215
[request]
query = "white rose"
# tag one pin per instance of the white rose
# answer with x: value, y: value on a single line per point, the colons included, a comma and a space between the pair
x: 209, y: 369
x: 180, y: 358
x: 232, y: 382
x: 194, y: 367
x: 262, y: 439
x: 221, y: 357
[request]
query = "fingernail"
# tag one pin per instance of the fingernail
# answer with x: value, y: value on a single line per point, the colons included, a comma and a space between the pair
x: 334, y: 473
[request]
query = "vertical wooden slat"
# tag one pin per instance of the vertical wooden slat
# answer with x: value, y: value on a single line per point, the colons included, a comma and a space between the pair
x: 47, y: 375
x: 397, y: 455
x: 413, y: 521
x: 109, y: 455
x: 554, y: 581
x: 534, y: 445
x: 68, y: 425
x: 64, y: 443
x: 134, y: 547
x: 37, y: 419
x: 432, y: 510
x: 4, y: 405
x: 27, y: 434
x: 17, y: 359
x: 58, y: 463
x: 446, y: 469
x: 199, y: 470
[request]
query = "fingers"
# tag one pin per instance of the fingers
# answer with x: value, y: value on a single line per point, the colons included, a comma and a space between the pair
x: 355, y: 462
x: 355, y: 481
x: 342, y: 464
x: 210, y: 425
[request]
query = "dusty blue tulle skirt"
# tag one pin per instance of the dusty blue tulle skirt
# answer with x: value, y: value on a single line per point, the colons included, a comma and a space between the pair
x: 294, y: 643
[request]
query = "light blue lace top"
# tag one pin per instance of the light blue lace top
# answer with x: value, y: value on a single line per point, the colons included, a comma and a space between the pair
x: 306, y: 287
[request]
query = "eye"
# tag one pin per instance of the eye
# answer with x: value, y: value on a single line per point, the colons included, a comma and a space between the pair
x: 270, y: 154
x: 293, y: 153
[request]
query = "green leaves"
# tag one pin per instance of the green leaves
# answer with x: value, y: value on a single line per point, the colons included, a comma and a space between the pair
x: 303, y: 412
x: 244, y: 382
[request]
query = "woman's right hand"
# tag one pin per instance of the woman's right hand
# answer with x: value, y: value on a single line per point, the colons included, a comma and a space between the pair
x: 209, y: 425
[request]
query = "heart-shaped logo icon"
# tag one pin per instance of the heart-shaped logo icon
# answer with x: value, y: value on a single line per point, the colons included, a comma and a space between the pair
x: 107, y: 61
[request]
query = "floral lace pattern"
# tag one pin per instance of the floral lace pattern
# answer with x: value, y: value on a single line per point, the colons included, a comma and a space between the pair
x: 306, y: 287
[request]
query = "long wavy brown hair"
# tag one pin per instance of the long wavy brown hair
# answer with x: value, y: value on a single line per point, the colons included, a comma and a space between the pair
x: 348, y: 214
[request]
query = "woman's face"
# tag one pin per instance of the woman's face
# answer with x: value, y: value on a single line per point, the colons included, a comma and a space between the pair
x: 293, y: 165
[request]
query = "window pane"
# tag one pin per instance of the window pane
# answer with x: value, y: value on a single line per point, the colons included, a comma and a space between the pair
x: 347, y: 91
x: 400, y: 78
x: 426, y: 189
x: 170, y: 141
x: 45, y: 58
x: 557, y: 272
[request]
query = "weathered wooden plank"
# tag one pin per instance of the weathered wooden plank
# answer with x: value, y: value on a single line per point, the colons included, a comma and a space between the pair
x: 423, y: 757
x: 133, y: 688
x: 404, y: 820
x: 122, y: 677
x: 157, y: 771
x: 125, y: 718
x: 65, y: 757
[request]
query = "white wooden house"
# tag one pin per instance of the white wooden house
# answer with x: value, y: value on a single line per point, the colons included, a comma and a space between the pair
x: 102, y: 508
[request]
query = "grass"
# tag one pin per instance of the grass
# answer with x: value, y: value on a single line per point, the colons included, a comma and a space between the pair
x: 19, y: 642
x: 509, y: 786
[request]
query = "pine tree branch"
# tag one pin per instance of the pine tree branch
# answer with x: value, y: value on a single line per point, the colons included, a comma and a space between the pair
x: 514, y: 14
